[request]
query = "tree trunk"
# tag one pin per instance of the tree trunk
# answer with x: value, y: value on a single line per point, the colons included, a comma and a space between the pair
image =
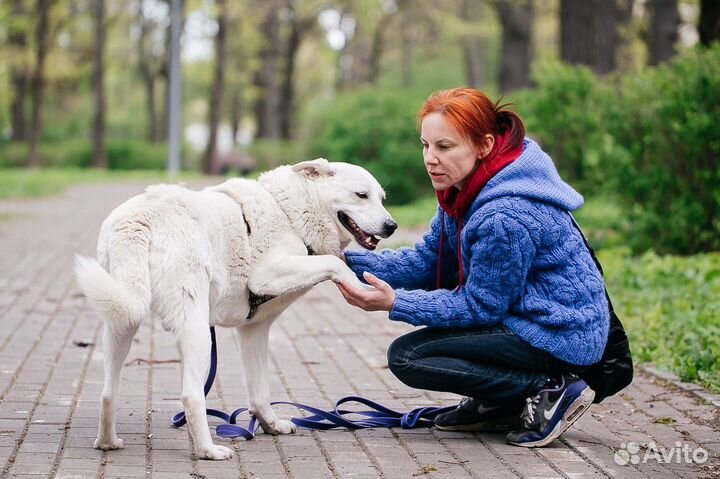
x: 99, y: 159
x: 286, y: 106
x: 588, y: 33
x: 516, y: 18
x: 473, y: 46
x: 709, y: 23
x: 377, y: 48
x: 154, y: 127
x: 42, y: 10
x: 266, y: 79
x: 216, y: 95
x: 664, y: 21
x: 17, y: 38
x: 235, y: 114
x: 406, y: 53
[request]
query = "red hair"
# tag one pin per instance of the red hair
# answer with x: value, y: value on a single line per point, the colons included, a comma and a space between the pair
x: 474, y: 115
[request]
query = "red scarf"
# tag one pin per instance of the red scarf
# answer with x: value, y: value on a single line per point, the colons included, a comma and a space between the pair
x: 456, y: 202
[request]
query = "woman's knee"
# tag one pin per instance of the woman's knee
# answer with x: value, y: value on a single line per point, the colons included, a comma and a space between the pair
x: 398, y: 355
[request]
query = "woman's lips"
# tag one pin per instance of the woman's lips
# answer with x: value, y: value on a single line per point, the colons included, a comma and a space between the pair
x: 436, y: 175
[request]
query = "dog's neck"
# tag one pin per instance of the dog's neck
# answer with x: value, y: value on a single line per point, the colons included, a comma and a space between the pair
x: 315, y: 227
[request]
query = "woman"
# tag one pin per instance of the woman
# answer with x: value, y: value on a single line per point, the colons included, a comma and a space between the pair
x: 513, y: 303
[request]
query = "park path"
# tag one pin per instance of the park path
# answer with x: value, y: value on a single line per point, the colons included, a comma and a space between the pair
x: 322, y: 349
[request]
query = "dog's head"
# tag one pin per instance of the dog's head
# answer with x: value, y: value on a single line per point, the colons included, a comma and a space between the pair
x: 353, y: 197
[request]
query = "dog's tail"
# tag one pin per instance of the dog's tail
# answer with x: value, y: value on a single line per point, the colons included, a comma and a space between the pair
x: 124, y: 300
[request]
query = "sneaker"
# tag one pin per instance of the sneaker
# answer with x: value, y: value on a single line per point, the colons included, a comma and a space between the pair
x: 551, y: 411
x: 471, y: 416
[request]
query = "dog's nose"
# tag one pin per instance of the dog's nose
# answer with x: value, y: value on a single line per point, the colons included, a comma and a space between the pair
x: 389, y: 228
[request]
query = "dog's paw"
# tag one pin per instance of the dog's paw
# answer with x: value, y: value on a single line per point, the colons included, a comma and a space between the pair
x: 108, y: 444
x: 281, y: 426
x: 215, y: 453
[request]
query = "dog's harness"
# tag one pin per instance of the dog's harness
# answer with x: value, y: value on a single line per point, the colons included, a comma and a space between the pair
x: 256, y: 300
x: 379, y: 416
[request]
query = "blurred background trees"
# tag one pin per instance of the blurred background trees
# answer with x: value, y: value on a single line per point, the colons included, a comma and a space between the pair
x: 624, y: 94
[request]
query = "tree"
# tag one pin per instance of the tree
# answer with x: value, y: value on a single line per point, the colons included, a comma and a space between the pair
x: 299, y: 25
x: 17, y: 39
x: 473, y: 45
x: 709, y: 23
x: 99, y: 159
x: 664, y: 21
x: 516, y: 18
x: 589, y: 34
x: 267, y: 77
x: 152, y: 64
x: 218, y: 88
x: 42, y: 10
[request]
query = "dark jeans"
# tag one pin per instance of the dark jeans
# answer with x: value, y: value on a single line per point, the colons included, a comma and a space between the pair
x: 491, y: 364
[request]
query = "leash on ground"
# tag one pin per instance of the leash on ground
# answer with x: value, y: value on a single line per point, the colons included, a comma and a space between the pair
x: 319, y: 419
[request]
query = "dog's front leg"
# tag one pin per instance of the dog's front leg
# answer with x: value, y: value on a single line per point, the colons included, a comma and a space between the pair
x: 280, y: 274
x: 254, y: 345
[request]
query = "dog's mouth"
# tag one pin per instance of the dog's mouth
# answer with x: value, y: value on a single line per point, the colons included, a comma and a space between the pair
x: 364, y: 239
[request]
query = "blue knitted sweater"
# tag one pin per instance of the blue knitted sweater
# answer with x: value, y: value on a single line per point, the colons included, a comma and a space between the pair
x: 526, y: 266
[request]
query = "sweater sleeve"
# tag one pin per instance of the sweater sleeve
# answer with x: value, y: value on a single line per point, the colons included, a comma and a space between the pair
x: 408, y: 268
x: 501, y: 254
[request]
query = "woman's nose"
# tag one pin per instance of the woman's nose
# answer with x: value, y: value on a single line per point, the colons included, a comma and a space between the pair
x: 429, y: 157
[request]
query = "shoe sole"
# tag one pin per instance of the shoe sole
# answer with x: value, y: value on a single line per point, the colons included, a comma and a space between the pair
x: 573, y: 413
x: 479, y: 427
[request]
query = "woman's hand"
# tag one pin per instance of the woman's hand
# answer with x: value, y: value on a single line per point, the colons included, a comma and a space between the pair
x: 381, y: 298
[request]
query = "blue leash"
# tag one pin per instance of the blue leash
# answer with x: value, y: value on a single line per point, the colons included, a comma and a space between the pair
x: 378, y: 416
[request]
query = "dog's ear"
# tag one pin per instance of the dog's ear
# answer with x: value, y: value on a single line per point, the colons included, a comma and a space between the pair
x: 317, y: 168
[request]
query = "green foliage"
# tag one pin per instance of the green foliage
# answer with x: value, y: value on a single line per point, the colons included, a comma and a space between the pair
x: 374, y: 129
x: 416, y: 214
x: 269, y: 154
x: 565, y: 114
x: 666, y: 120
x: 669, y: 306
x: 121, y: 154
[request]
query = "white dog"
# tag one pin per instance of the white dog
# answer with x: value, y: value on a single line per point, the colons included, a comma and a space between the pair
x: 235, y: 255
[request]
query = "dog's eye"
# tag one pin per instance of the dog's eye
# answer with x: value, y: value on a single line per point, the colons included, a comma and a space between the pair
x: 362, y: 196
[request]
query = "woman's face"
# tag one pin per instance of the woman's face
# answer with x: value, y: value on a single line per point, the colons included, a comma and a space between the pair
x: 449, y: 160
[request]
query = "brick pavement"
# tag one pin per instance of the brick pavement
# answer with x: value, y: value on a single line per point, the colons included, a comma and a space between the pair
x: 322, y: 349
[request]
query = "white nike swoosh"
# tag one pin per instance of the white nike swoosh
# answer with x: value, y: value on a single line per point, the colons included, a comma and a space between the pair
x: 550, y: 412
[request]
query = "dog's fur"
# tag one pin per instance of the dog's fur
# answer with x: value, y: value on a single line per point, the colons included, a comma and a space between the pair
x: 207, y: 258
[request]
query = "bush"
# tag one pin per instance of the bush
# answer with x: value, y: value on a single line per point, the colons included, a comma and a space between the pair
x: 666, y: 119
x: 565, y: 115
x: 269, y: 154
x: 376, y: 130
x: 121, y: 154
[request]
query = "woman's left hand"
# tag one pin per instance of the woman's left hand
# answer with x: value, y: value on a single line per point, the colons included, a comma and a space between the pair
x: 381, y: 298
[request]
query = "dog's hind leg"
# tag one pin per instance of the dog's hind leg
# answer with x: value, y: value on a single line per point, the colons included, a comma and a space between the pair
x: 193, y: 337
x: 254, y: 345
x: 116, y: 345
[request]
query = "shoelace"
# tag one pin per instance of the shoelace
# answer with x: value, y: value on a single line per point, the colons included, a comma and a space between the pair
x: 528, y: 415
x: 463, y: 402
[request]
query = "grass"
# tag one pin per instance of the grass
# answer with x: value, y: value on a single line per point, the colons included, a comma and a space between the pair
x: 30, y: 183
x: 669, y: 305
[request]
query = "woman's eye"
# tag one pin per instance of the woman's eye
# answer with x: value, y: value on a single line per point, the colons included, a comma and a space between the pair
x: 362, y: 196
